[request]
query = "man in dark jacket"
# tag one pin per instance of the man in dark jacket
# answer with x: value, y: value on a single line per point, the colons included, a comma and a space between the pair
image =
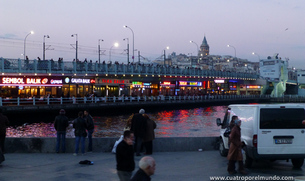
x: 3, y: 124
x: 149, y: 135
x: 125, y: 157
x: 80, y: 126
x: 147, y: 168
x: 60, y: 124
x: 138, y: 126
x: 90, y: 128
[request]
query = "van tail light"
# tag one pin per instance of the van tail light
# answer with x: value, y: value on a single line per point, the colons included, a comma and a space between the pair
x: 254, y: 141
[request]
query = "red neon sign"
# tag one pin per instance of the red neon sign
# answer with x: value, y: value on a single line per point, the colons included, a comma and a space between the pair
x: 167, y: 83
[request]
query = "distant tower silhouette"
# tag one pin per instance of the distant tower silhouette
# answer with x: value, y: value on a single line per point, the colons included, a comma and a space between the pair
x: 204, y: 49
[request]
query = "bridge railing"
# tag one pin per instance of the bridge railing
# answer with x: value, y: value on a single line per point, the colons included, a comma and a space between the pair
x: 50, y: 66
x: 106, y: 100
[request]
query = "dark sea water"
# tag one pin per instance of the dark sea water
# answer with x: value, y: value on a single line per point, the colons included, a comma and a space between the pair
x: 197, y: 122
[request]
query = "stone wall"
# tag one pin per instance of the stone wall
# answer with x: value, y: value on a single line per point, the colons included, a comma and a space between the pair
x: 47, y: 145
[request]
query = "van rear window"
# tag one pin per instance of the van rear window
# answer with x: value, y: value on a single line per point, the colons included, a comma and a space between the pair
x: 277, y: 118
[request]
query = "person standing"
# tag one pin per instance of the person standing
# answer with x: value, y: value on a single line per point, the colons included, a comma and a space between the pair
x: 60, y: 124
x: 147, y: 168
x: 79, y: 124
x: 125, y: 157
x: 4, y: 122
x: 149, y: 135
x: 90, y: 128
x: 235, y: 153
x: 138, y: 126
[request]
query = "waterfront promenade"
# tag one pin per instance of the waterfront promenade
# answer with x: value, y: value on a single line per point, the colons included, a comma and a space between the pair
x: 170, y: 166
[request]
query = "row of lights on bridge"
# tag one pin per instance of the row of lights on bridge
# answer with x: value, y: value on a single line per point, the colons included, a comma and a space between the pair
x: 166, y: 76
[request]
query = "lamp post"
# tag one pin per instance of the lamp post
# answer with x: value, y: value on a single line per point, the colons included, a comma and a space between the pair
x: 99, y: 50
x: 32, y: 32
x: 165, y: 54
x: 196, y: 45
x: 127, y: 49
x: 44, y: 46
x: 197, y: 49
x: 132, y: 42
x: 234, y: 49
x: 115, y: 45
x: 76, y: 45
x: 253, y: 53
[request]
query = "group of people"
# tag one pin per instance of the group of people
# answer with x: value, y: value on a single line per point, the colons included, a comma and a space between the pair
x: 83, y: 125
x: 143, y: 128
x: 141, y: 133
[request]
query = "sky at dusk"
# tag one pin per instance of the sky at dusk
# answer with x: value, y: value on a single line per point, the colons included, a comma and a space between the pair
x: 261, y: 26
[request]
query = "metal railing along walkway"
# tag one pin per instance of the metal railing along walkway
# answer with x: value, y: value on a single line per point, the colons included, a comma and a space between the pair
x: 107, y: 100
x: 60, y: 67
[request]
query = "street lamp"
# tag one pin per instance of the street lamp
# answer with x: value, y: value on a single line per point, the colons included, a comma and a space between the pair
x: 197, y: 50
x: 165, y: 54
x: 127, y: 49
x: 196, y: 45
x: 32, y: 32
x: 115, y: 45
x: 132, y: 42
x: 234, y: 49
x: 76, y: 45
x: 44, y: 46
x: 253, y: 53
x: 99, y: 50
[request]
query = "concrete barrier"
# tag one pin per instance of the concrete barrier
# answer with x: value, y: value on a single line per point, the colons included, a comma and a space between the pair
x: 47, y: 145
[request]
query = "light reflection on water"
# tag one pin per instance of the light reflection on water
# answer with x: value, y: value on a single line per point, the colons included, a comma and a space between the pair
x: 199, y: 122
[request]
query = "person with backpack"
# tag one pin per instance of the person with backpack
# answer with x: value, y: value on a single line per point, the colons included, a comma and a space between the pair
x: 90, y: 128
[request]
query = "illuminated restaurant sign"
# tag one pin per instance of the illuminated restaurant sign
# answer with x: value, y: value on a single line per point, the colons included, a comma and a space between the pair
x: 80, y: 81
x: 253, y: 87
x: 136, y: 83
x: 190, y: 83
x: 167, y: 84
x: 22, y: 81
x: 219, y: 81
x: 113, y: 81
x: 54, y: 81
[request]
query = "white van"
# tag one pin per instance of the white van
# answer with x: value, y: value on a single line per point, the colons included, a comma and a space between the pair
x: 269, y: 131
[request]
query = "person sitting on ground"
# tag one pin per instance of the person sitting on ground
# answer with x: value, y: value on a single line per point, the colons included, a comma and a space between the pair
x: 147, y: 168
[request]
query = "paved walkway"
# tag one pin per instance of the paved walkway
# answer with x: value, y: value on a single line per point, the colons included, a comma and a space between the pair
x: 170, y: 166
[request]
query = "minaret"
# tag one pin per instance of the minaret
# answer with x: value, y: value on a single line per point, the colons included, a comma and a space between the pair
x: 204, y: 48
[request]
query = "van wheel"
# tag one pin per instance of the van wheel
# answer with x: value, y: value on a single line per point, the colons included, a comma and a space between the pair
x: 222, y: 150
x: 297, y: 162
x: 247, y: 159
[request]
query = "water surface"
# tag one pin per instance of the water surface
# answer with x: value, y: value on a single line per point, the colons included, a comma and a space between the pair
x: 198, y: 122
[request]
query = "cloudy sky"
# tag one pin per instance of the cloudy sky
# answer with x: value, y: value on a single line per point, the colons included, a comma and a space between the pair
x: 262, y: 26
